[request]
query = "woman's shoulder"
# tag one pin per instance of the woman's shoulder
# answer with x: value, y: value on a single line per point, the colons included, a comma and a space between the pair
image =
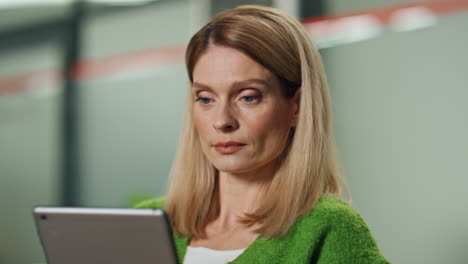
x: 346, y: 236
x: 331, y: 207
x: 333, y: 214
x: 330, y: 213
x: 155, y: 203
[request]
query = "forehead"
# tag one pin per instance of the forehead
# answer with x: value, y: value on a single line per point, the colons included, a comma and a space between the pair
x: 223, y: 65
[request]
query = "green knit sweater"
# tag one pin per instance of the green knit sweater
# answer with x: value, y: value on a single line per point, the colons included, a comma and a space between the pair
x: 332, y: 233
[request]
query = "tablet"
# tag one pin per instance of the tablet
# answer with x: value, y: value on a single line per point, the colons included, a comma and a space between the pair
x: 104, y: 235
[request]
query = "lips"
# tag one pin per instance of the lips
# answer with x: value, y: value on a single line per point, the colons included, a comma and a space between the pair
x: 228, y: 147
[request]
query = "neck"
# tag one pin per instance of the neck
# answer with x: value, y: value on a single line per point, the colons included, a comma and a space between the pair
x: 241, y: 193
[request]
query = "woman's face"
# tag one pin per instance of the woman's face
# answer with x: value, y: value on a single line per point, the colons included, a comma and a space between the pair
x: 241, y: 116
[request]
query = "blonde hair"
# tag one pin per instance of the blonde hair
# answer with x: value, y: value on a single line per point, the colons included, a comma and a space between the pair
x: 309, y: 168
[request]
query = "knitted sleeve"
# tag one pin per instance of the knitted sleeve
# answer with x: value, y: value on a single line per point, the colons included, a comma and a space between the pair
x: 348, y: 239
x: 156, y: 203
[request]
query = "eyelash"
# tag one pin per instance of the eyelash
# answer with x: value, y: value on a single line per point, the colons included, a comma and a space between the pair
x: 255, y: 97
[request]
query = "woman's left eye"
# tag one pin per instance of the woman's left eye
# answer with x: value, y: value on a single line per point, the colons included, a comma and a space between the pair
x: 250, y: 98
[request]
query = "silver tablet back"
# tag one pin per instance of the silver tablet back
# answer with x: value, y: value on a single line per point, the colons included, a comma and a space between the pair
x: 104, y: 235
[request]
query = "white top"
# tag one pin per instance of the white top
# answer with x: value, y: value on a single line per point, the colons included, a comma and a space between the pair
x: 197, y: 255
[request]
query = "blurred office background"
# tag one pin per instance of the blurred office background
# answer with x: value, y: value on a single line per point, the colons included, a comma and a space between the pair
x: 92, y: 93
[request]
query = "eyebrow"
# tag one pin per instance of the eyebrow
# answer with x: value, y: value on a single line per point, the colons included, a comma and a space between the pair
x: 236, y: 84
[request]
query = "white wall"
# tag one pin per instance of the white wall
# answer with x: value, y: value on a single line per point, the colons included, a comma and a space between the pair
x: 401, y: 124
x: 130, y: 121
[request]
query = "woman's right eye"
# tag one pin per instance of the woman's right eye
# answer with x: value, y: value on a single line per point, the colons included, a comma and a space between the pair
x: 204, y: 100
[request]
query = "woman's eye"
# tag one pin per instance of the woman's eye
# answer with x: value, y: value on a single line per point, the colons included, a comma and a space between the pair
x: 250, y: 98
x: 204, y: 100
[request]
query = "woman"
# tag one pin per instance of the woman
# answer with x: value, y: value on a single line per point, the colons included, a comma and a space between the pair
x: 255, y: 179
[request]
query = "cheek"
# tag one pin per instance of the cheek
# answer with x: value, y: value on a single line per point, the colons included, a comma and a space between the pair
x: 270, y: 128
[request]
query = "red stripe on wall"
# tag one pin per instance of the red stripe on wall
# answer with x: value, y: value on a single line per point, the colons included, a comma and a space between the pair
x: 44, y: 78
x: 151, y: 58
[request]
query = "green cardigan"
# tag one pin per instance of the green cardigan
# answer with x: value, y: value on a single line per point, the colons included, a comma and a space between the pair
x: 332, y: 233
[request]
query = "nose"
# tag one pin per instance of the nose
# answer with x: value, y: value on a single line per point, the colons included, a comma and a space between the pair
x: 225, y: 121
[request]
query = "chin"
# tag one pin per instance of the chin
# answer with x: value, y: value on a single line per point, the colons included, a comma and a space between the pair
x: 232, y: 166
x: 232, y: 169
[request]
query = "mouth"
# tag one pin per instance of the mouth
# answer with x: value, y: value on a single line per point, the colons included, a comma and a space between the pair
x: 228, y: 147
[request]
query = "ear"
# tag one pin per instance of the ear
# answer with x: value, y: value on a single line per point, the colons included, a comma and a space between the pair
x: 296, y: 103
